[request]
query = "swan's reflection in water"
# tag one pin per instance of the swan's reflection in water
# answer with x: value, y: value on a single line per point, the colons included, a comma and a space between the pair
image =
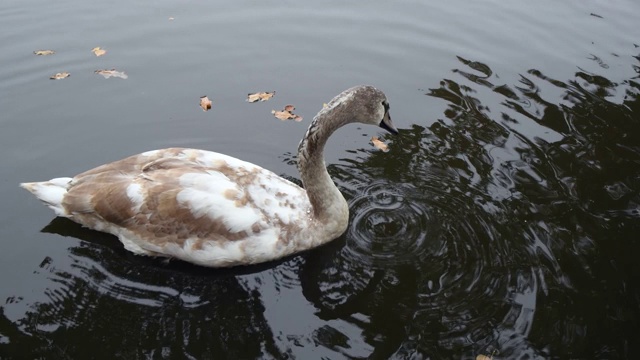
x: 105, y: 301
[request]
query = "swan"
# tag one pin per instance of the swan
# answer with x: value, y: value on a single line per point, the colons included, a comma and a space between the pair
x: 214, y: 210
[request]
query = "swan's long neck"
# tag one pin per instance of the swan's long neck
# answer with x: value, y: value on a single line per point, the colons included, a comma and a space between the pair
x: 329, y: 206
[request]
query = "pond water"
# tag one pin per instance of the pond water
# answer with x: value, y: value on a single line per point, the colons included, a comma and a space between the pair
x: 504, y: 220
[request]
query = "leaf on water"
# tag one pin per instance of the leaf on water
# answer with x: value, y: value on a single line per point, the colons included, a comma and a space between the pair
x: 487, y: 357
x: 260, y: 96
x: 112, y: 73
x: 287, y: 114
x: 379, y: 144
x: 98, y: 51
x: 205, y: 103
x: 171, y: 18
x: 44, y: 52
x: 282, y: 115
x: 60, y: 75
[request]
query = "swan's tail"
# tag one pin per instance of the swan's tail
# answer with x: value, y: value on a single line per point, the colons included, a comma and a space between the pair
x: 51, y: 193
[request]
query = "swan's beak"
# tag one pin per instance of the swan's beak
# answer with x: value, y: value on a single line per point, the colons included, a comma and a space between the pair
x: 387, y: 124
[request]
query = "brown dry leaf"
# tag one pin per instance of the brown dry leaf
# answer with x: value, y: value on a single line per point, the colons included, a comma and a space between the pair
x: 260, y: 96
x: 205, y: 103
x: 60, y: 75
x: 98, y: 51
x: 44, y: 52
x: 282, y: 115
x: 487, y: 357
x: 112, y: 73
x: 379, y: 144
x: 287, y: 114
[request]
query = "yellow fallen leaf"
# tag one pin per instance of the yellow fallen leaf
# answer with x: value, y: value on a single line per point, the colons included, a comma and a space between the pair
x: 112, y: 73
x: 282, y: 115
x: 260, y: 96
x: 98, y: 51
x: 379, y: 144
x: 487, y: 357
x: 205, y: 103
x: 287, y: 114
x: 324, y: 105
x: 60, y: 75
x: 44, y: 52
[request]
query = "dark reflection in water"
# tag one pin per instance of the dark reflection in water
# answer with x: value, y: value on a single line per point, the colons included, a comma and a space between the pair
x: 108, y: 307
x: 481, y: 237
x: 480, y: 234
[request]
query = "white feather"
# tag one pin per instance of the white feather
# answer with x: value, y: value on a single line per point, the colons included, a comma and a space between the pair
x: 51, y: 193
x: 134, y: 192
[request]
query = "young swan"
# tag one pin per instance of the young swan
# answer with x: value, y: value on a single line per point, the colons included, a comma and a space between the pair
x: 214, y: 210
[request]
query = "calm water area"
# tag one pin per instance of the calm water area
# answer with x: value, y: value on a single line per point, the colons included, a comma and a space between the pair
x: 503, y: 221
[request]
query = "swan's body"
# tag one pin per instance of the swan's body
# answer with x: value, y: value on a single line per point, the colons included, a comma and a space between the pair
x: 215, y: 210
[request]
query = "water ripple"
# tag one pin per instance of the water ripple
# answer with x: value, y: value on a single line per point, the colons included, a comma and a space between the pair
x: 388, y: 226
x: 446, y: 232
x: 474, y: 270
x: 123, y: 289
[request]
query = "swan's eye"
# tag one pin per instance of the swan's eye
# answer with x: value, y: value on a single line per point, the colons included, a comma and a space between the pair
x: 386, y: 106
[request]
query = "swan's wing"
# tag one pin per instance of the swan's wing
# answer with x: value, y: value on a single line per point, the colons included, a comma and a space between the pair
x: 185, y: 198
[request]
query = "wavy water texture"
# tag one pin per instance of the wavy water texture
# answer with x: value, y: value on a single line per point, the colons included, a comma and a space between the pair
x: 180, y: 314
x: 488, y: 226
x: 504, y: 219
x: 478, y: 238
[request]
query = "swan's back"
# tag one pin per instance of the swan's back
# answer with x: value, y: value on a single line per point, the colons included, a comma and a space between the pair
x: 199, y: 206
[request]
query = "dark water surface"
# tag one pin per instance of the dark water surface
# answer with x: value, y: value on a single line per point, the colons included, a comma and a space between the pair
x: 505, y: 218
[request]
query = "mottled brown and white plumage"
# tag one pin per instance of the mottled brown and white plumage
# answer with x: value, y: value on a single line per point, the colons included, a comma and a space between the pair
x: 214, y: 210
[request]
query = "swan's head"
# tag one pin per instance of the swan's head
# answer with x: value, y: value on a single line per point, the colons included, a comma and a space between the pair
x: 366, y: 105
x: 363, y: 104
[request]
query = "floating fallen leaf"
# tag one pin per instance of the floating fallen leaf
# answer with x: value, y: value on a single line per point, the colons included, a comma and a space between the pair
x: 60, y: 75
x: 98, y: 51
x: 260, y: 96
x: 487, y: 357
x: 171, y: 18
x: 286, y: 114
x: 379, y: 144
x: 282, y: 115
x: 113, y: 72
x: 324, y: 105
x: 44, y: 52
x: 205, y: 103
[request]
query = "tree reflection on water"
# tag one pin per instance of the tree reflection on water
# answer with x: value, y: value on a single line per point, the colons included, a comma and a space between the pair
x: 535, y: 238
